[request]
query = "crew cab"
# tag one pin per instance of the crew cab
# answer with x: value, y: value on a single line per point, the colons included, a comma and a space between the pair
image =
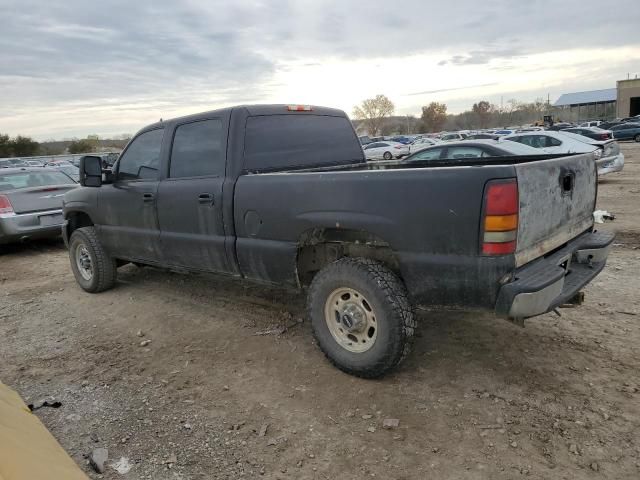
x: 284, y: 195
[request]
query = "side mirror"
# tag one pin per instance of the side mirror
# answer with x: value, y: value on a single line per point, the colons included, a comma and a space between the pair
x: 91, y: 171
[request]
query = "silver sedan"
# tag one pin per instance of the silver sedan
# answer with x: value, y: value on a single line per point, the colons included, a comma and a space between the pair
x: 31, y: 203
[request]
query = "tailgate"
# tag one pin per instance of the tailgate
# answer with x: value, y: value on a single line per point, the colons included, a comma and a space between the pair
x: 36, y: 199
x: 557, y: 199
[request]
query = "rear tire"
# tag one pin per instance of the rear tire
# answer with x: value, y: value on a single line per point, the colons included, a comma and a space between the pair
x: 94, y: 270
x: 361, y: 316
x: 387, y: 156
x: 637, y: 138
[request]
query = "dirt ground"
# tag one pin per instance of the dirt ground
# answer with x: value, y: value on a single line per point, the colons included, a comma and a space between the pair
x: 231, y: 384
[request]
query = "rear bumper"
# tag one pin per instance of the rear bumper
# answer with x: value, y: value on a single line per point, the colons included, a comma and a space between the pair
x: 610, y: 164
x: 15, y: 228
x: 546, y: 283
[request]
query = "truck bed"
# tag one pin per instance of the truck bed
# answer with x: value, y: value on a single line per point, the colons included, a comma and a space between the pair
x: 427, y: 212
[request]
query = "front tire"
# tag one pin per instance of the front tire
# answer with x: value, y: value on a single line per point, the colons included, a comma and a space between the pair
x: 94, y: 270
x: 361, y: 316
x: 387, y: 156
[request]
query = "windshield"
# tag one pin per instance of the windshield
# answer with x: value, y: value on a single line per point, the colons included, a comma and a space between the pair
x: 14, y: 181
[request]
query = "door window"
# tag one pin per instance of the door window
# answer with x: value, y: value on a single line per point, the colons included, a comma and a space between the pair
x: 198, y: 150
x: 141, y: 161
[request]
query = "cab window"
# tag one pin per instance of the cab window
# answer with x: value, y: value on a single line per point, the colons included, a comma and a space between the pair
x: 141, y: 161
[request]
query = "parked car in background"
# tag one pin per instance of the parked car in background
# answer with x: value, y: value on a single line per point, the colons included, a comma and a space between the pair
x: 34, y: 163
x: 591, y: 123
x: 560, y: 126
x: 591, y: 132
x: 529, y: 129
x: 626, y: 131
x: 12, y: 163
x: 402, y: 139
x: 466, y: 149
x: 483, y: 136
x: 386, y: 150
x: 606, y: 153
x: 503, y: 132
x: 452, y: 137
x: 31, y: 203
x: 364, y: 139
x: 422, y: 143
x: 609, y: 124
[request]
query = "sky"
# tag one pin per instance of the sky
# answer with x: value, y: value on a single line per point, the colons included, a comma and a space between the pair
x: 78, y: 67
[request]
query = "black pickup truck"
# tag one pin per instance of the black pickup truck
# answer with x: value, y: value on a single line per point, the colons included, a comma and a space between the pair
x: 283, y: 194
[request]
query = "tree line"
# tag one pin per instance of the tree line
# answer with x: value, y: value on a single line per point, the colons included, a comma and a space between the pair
x: 377, y: 116
x: 22, y: 146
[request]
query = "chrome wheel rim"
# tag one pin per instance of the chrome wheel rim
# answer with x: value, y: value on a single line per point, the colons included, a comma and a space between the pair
x: 351, y: 320
x: 83, y: 262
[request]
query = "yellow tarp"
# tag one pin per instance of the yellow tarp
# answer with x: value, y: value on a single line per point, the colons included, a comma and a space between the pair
x: 27, y: 450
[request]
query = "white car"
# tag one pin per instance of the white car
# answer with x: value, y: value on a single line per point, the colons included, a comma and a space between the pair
x: 421, y: 143
x: 606, y: 152
x: 593, y: 123
x: 468, y: 150
x: 452, y: 137
x: 385, y: 150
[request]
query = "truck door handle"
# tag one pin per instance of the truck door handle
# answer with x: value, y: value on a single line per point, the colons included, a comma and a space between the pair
x: 148, y: 197
x: 205, y: 198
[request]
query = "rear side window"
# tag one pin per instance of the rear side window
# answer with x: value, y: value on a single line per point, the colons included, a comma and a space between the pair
x: 553, y: 142
x: 464, y: 152
x: 197, y: 150
x: 535, y: 141
x: 286, y: 141
x: 142, y: 159
x: 430, y: 154
x: 14, y: 181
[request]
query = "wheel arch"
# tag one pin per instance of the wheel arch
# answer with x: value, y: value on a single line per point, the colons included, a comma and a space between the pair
x: 76, y: 219
x: 318, y: 247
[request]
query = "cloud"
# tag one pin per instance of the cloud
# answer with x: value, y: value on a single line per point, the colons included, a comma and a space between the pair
x: 482, y: 57
x: 61, y: 58
x: 442, y: 90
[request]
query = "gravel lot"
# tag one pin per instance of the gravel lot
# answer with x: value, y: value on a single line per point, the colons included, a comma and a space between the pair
x: 230, y: 384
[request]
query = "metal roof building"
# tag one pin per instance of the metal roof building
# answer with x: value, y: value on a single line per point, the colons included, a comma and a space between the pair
x: 608, y: 95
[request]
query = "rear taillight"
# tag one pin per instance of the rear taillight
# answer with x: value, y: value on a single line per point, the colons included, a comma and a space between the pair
x: 500, y: 219
x: 5, y: 205
x: 604, y: 136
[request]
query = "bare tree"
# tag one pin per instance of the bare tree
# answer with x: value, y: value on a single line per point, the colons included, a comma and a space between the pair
x: 373, y: 112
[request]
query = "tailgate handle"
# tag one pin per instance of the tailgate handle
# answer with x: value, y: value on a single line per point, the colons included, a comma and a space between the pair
x: 566, y: 182
x: 148, y: 197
